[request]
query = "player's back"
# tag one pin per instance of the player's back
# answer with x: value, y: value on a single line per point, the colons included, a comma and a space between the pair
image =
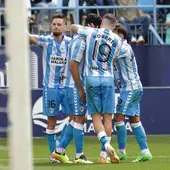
x: 55, y: 55
x: 101, y: 48
x: 127, y: 69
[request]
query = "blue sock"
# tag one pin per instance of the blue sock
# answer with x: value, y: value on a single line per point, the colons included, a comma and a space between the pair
x: 68, y: 136
x: 103, y: 138
x: 62, y: 133
x: 78, y: 133
x: 121, y: 134
x: 140, y: 135
x: 103, y: 148
x: 51, y: 138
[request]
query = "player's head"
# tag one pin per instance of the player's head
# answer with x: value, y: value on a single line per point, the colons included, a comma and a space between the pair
x: 120, y: 30
x: 93, y: 20
x: 58, y: 24
x: 108, y: 21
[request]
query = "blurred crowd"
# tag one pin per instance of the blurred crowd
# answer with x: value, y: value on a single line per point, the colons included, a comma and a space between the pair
x: 136, y: 20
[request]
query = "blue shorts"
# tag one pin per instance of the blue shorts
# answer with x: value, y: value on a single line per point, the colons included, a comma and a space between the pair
x: 53, y: 98
x: 79, y: 107
x: 129, y: 103
x: 100, y: 95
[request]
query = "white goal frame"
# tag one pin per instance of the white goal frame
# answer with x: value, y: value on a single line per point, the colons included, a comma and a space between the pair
x: 19, y: 105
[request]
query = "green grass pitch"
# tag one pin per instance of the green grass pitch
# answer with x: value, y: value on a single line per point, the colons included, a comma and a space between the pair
x: 159, y: 146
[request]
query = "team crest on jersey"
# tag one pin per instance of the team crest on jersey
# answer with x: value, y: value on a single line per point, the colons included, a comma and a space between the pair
x: 51, y: 110
x: 62, y: 49
x: 81, y: 108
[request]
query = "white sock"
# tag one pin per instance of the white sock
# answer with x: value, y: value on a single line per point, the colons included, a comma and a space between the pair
x: 122, y: 151
x: 109, y: 139
x: 79, y: 154
x: 60, y: 150
x: 103, y: 154
x: 145, y: 151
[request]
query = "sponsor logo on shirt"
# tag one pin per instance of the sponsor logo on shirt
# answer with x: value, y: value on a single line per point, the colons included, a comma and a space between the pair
x: 58, y: 60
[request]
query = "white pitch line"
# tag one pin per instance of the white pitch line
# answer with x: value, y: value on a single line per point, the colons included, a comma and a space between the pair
x: 3, y: 148
x: 129, y: 157
x: 2, y: 167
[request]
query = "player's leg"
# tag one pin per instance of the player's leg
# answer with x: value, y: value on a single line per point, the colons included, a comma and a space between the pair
x: 141, y: 139
x: 95, y: 108
x: 50, y: 109
x: 67, y: 108
x: 80, y: 110
x: 123, y: 104
x: 64, y: 129
x: 107, y: 121
x: 121, y: 135
x: 78, y: 133
x: 62, y: 133
x: 138, y: 130
x: 108, y: 94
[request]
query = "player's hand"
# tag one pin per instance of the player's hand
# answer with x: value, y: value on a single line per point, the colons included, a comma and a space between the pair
x: 82, y: 96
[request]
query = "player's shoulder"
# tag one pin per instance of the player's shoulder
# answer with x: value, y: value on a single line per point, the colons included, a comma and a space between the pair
x: 78, y: 39
x: 126, y: 45
x: 125, y: 48
x: 117, y: 37
x: 44, y: 39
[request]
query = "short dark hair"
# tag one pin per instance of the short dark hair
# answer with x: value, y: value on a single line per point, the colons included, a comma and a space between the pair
x: 93, y: 18
x: 120, y: 29
x: 60, y: 16
x: 111, y: 18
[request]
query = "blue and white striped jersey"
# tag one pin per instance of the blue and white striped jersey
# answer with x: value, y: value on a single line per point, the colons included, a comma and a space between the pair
x: 76, y: 52
x: 55, y: 55
x: 126, y: 71
x: 102, y: 45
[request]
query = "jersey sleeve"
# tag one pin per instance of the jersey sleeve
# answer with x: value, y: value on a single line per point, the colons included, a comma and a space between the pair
x: 77, y: 50
x: 118, y: 48
x: 42, y: 40
x: 84, y: 31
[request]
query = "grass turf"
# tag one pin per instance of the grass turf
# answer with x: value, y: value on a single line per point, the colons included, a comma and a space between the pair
x: 159, y: 146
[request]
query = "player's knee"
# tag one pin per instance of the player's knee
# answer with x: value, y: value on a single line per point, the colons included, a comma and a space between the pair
x: 80, y: 119
x: 120, y: 123
x: 51, y: 123
x: 134, y: 119
x: 119, y: 117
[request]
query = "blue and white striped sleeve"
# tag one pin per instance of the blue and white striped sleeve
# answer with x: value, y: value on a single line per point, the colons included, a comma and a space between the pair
x: 42, y: 40
x: 84, y: 31
x: 78, y: 49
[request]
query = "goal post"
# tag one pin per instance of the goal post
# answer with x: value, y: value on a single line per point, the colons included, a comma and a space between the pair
x: 19, y: 105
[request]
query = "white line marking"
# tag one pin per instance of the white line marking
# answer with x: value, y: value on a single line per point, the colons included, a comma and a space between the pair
x: 130, y: 157
x: 2, y: 167
x: 3, y: 148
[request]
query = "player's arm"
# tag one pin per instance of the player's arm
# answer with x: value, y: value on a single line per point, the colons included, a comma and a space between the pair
x: 74, y: 68
x: 74, y: 28
x: 38, y: 40
x: 76, y: 76
x: 117, y: 51
x: 33, y: 38
x: 77, y: 57
x: 81, y: 30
